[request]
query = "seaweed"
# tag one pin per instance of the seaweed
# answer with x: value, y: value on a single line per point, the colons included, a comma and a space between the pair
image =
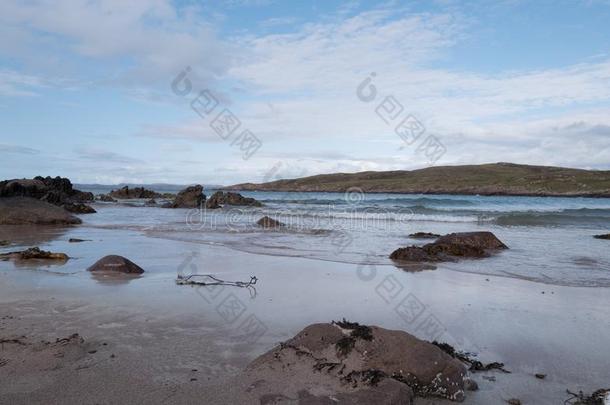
x: 474, y: 365
x: 345, y: 345
x: 597, y: 398
x: 357, y: 331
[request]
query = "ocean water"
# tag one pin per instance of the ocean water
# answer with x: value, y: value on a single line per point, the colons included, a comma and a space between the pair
x: 550, y: 239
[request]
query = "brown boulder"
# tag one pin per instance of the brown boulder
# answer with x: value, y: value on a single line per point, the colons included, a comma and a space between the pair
x: 221, y: 198
x: 116, y: 264
x: 451, y: 247
x: 267, y: 222
x: 483, y: 240
x: 190, y: 197
x: 353, y: 362
x: 29, y: 211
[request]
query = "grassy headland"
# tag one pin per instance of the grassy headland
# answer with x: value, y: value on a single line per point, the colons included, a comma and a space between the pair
x: 486, y: 179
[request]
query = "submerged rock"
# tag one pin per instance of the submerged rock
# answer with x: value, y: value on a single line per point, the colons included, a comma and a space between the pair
x: 29, y: 211
x: 190, y: 197
x: 357, y: 364
x: 424, y: 235
x: 5, y: 242
x: 34, y: 253
x: 221, y: 198
x: 451, y: 247
x: 116, y: 264
x: 267, y: 222
x: 135, y: 192
x: 606, y: 236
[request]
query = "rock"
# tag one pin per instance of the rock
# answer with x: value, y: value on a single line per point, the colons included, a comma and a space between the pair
x: 470, y: 385
x: 221, y: 198
x: 34, y: 253
x: 483, y: 240
x: 424, y: 235
x: 451, y: 247
x: 267, y: 222
x: 540, y: 376
x: 130, y: 193
x: 606, y: 236
x: 190, y: 197
x: 76, y: 240
x: 54, y: 190
x: 317, y: 356
x: 29, y: 211
x: 4, y: 242
x: 152, y: 201
x: 386, y: 392
x: 79, y: 208
x: 116, y: 264
x: 105, y: 198
x: 514, y: 401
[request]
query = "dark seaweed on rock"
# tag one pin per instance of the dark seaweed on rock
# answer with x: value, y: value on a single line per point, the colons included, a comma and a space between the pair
x: 597, y: 398
x: 357, y: 331
x: 475, y: 365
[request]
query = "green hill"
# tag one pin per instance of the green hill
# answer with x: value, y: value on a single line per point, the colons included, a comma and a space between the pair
x: 486, y: 179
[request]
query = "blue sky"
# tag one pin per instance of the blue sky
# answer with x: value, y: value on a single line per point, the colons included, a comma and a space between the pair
x: 85, y: 86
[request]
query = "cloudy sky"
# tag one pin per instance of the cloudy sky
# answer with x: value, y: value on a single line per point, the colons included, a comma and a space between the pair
x: 92, y: 89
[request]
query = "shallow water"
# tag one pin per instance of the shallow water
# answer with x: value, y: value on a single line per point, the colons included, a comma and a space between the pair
x: 550, y: 239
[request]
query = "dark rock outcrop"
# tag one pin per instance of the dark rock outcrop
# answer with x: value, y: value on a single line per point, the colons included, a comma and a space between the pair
x: 424, y: 235
x: 5, y: 242
x: 30, y: 211
x: 190, y: 197
x: 151, y: 202
x: 125, y: 193
x: 220, y: 198
x: 451, y: 247
x: 105, y: 198
x: 53, y: 190
x: 79, y: 208
x: 351, y: 362
x: 116, y: 264
x: 606, y: 236
x: 34, y: 253
x: 267, y: 222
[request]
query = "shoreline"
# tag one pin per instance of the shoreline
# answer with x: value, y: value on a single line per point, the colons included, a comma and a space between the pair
x: 160, y: 332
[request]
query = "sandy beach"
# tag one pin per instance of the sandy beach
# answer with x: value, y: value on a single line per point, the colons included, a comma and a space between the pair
x: 147, y: 339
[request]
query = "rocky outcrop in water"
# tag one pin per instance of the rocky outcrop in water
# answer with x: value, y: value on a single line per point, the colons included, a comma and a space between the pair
x: 190, y: 197
x: 29, y: 211
x: 606, y: 236
x: 355, y: 364
x: 125, y: 193
x: 220, y: 198
x: 53, y: 190
x: 105, y: 198
x: 451, y: 247
x: 268, y: 222
x: 424, y: 235
x: 34, y: 254
x: 116, y: 264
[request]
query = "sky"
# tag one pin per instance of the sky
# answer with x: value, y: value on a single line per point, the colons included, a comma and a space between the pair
x: 209, y: 92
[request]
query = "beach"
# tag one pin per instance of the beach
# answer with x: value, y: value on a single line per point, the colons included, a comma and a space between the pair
x: 148, y: 339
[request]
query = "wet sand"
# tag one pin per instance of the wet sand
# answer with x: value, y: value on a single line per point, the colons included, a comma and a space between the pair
x: 160, y: 333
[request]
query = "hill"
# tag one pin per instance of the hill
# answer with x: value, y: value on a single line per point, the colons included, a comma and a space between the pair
x: 486, y: 179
